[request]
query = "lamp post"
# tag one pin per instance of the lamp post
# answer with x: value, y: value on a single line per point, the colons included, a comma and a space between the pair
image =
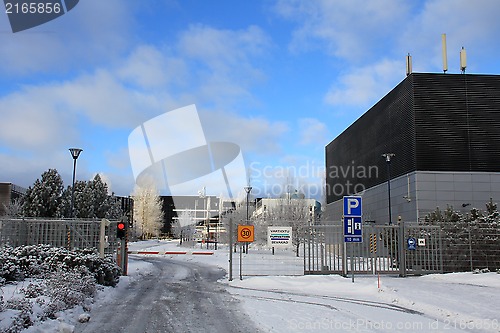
x: 248, y: 189
x: 75, y: 152
x: 388, y: 157
x: 203, y: 195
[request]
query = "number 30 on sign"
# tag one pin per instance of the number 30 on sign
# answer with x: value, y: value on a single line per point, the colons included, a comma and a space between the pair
x: 245, y: 233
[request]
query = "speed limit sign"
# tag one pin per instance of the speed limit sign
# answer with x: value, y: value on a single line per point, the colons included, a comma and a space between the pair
x: 245, y: 233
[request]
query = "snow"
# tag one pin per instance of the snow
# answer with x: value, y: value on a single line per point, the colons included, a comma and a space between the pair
x: 441, y: 302
x: 322, y: 303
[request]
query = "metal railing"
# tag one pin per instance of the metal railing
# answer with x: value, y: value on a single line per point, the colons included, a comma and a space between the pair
x: 67, y: 233
x: 325, y: 251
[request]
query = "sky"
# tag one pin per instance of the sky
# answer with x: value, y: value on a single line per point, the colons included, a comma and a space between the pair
x: 279, y: 78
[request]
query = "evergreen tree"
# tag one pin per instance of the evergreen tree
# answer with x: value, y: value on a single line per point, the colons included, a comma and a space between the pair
x: 44, y: 198
x: 470, y: 240
x: 100, y: 198
x: 91, y: 199
x: 115, y: 210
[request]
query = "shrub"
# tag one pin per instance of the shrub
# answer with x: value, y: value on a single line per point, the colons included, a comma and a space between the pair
x: 25, y: 308
x: 22, y: 262
x: 68, y: 289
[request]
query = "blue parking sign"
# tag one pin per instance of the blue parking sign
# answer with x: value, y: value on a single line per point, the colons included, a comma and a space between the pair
x: 353, y: 227
x: 352, y: 206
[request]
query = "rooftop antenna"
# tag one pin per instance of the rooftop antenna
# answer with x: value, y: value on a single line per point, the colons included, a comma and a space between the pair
x: 408, y: 65
x: 445, y: 56
x: 463, y: 60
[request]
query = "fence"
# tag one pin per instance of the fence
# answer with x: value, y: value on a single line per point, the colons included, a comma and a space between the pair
x: 71, y: 234
x: 471, y: 245
x: 259, y: 259
x: 325, y: 251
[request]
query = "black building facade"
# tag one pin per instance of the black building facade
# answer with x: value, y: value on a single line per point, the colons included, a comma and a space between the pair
x: 433, y: 123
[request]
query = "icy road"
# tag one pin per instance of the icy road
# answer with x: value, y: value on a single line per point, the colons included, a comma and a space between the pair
x: 174, y: 297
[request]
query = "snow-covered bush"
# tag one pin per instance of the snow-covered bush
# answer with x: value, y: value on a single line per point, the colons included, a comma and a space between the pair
x: 32, y: 290
x: 39, y: 261
x: 24, y: 309
x: 60, y: 280
x: 68, y: 289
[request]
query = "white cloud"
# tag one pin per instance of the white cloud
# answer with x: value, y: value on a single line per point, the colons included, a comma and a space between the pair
x: 312, y: 131
x: 364, y: 86
x: 93, y: 32
x: 148, y: 67
x: 30, y: 120
x: 348, y: 29
x: 223, y: 48
x: 256, y: 135
x: 220, y: 62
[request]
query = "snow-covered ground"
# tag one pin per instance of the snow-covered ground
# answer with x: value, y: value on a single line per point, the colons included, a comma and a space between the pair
x: 432, y: 303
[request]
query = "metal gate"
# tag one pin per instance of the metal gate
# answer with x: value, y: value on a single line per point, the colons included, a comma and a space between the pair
x: 325, y: 251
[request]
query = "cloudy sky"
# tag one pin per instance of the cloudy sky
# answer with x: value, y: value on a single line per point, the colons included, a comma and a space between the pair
x: 280, y: 78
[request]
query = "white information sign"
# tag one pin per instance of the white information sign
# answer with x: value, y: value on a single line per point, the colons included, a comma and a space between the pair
x: 279, y: 236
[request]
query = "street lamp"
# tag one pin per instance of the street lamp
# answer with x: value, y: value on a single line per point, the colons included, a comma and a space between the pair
x: 75, y: 152
x: 388, y: 157
x: 248, y: 188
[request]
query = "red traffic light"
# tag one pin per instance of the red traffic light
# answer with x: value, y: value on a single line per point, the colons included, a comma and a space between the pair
x: 121, y: 230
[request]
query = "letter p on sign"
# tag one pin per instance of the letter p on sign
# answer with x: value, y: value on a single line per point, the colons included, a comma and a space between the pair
x: 352, y: 206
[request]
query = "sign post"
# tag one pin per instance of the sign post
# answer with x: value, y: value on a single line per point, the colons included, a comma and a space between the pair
x: 245, y: 235
x: 230, y: 249
x: 353, y: 226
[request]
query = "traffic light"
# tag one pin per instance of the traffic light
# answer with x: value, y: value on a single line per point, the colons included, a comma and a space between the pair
x: 121, y: 230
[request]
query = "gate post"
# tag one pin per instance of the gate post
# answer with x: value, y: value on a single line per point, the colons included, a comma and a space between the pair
x: 344, y: 259
x: 401, y: 249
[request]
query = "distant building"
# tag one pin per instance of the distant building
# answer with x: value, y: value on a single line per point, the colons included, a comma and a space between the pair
x: 445, y: 134
x: 267, y: 207
x: 202, y: 209
x: 8, y: 194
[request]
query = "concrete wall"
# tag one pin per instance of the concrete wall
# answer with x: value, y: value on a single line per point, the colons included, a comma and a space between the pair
x: 416, y: 194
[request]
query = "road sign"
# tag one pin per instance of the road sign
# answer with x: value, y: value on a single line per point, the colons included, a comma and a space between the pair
x: 279, y: 236
x: 421, y: 242
x: 353, y: 227
x: 412, y: 243
x: 246, y: 233
x: 353, y: 231
x: 352, y: 206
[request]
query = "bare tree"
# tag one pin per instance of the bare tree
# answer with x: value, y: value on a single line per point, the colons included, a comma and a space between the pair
x: 289, y: 212
x: 238, y: 216
x: 14, y: 209
x: 148, y: 213
x: 184, y: 227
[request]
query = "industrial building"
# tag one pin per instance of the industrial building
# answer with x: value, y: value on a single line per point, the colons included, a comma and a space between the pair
x: 8, y: 194
x: 443, y: 132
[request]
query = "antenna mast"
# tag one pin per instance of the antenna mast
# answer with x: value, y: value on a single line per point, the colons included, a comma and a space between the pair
x: 463, y: 60
x: 445, y: 56
x: 408, y: 65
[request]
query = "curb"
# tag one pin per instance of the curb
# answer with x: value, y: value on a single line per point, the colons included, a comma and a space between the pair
x: 172, y: 252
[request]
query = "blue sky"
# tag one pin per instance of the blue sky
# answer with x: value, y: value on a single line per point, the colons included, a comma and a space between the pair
x: 280, y: 78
